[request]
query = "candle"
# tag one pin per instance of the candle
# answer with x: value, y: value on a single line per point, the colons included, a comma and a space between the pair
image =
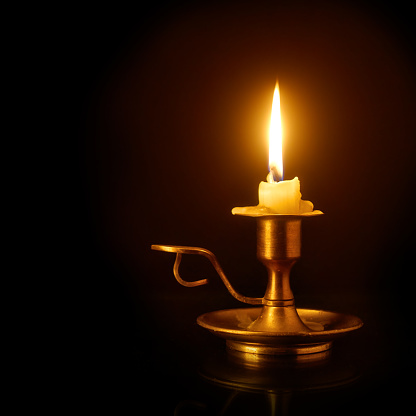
x: 282, y: 197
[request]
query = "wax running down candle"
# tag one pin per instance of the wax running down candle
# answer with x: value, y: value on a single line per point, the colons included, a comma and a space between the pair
x: 283, y: 197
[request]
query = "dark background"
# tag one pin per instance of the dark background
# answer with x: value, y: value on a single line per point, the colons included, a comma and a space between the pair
x: 168, y: 114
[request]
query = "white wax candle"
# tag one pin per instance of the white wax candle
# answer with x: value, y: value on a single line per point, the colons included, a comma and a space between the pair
x: 283, y: 197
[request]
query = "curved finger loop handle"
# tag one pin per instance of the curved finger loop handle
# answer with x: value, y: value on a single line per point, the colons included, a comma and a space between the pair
x: 179, y: 250
x: 179, y: 278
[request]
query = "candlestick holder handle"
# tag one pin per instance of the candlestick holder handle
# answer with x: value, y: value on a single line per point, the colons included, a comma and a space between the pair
x: 179, y: 250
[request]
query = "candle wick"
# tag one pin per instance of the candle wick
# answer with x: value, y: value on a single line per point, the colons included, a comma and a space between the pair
x: 275, y: 173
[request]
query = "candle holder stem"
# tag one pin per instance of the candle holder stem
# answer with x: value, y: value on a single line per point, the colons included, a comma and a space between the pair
x: 278, y: 248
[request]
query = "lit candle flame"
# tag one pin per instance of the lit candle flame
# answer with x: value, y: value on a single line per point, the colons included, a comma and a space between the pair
x: 275, y: 139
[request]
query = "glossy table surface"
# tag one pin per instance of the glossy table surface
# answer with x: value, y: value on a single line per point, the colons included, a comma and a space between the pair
x: 179, y: 368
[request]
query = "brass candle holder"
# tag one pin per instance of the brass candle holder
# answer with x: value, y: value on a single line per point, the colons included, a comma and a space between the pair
x: 277, y: 327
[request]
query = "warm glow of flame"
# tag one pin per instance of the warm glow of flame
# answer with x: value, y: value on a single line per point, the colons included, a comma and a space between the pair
x: 275, y: 137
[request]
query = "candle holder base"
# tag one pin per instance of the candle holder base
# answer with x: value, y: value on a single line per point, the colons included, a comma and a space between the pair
x: 276, y: 328
x: 321, y: 328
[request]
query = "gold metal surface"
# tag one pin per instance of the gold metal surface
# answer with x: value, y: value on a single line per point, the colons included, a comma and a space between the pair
x: 179, y: 250
x: 277, y: 328
x: 262, y: 211
x: 278, y: 248
x: 236, y: 326
x: 258, y: 361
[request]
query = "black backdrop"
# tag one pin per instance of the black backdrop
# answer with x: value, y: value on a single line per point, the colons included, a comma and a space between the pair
x: 169, y: 113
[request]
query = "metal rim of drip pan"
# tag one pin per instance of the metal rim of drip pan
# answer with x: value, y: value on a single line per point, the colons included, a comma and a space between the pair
x: 234, y: 326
